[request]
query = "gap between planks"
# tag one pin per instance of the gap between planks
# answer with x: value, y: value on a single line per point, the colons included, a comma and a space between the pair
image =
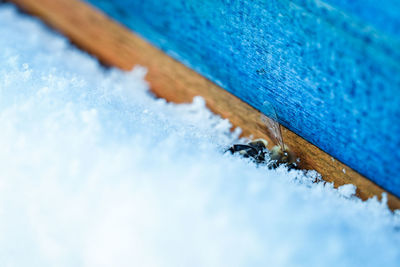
x: 115, y: 45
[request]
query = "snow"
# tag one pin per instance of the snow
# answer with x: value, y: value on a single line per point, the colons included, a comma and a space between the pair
x: 95, y: 171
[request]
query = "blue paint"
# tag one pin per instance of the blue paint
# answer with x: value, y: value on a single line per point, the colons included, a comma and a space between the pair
x: 383, y: 14
x: 332, y: 70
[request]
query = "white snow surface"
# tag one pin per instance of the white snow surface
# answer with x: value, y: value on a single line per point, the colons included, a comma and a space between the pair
x: 95, y: 171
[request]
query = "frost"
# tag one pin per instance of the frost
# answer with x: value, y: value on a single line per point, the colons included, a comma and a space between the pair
x: 95, y: 171
x: 347, y: 190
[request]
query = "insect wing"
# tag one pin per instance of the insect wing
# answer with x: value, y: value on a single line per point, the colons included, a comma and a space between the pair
x: 270, y: 120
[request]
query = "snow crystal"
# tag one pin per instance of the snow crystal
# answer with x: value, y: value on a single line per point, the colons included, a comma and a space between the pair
x: 347, y: 190
x: 95, y: 171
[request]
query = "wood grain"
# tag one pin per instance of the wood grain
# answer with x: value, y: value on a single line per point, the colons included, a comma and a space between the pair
x: 115, y: 45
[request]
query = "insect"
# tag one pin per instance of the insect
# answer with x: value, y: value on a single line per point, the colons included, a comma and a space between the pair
x: 257, y: 149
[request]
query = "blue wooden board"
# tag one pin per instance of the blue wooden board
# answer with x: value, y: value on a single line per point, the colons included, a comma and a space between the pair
x: 332, y: 69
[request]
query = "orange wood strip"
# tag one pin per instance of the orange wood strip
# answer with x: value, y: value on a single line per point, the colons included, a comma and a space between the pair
x: 115, y: 45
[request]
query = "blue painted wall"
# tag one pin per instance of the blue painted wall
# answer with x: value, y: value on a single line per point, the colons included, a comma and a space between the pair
x: 332, y: 68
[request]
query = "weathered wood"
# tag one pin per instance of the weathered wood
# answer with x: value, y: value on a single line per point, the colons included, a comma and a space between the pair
x: 117, y: 46
x: 331, y: 68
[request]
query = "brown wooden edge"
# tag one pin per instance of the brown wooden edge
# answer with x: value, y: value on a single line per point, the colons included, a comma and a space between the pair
x: 115, y: 45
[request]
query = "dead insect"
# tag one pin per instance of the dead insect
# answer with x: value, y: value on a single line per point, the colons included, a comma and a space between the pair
x: 257, y: 149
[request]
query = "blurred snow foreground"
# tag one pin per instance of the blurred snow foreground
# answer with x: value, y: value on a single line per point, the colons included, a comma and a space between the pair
x: 95, y: 171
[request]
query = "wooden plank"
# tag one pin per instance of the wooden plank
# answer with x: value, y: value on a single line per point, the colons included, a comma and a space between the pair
x: 117, y: 46
x: 331, y: 69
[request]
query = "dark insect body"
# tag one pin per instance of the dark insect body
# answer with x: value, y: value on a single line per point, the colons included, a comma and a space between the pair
x: 257, y: 149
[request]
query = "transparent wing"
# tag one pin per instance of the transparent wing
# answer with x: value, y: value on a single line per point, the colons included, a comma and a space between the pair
x: 270, y: 119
